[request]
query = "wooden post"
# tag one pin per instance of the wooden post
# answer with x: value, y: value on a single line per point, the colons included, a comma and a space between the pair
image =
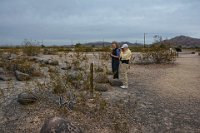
x: 91, y: 80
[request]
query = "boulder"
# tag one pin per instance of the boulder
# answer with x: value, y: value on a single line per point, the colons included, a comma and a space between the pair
x: 101, y: 78
x: 59, y: 125
x: 21, y: 76
x: 115, y: 82
x: 26, y: 98
x: 102, y: 87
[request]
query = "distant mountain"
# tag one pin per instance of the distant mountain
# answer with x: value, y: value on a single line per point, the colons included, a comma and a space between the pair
x: 101, y: 43
x: 184, y: 42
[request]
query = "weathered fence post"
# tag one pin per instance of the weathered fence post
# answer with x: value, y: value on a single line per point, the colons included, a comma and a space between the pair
x: 91, y: 80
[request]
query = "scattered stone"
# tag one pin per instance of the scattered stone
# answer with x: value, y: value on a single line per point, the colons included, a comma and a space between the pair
x: 21, y: 76
x: 115, y: 82
x: 59, y: 125
x: 26, y: 98
x: 102, y: 87
x: 101, y: 78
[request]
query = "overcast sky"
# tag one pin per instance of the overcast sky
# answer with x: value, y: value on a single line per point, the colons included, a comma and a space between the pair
x: 72, y: 21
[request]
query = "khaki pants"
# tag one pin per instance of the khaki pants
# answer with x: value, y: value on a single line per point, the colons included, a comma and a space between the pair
x: 124, y: 73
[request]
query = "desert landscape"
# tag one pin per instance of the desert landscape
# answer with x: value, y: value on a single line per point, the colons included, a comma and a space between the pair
x: 64, y: 66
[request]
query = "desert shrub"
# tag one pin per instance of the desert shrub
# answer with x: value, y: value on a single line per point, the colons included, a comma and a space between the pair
x: 30, y: 49
x: 103, y: 49
x: 77, y: 60
x: 80, y: 48
x: 57, y: 83
x: 49, y: 51
x: 63, y: 49
x: 11, y: 50
x: 157, y: 54
x: 136, y: 49
x: 23, y: 66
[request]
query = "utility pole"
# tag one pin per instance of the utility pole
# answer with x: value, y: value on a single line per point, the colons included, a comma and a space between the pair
x: 144, y: 38
x: 103, y: 42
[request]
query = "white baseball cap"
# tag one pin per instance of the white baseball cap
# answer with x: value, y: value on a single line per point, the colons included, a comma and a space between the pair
x: 124, y: 46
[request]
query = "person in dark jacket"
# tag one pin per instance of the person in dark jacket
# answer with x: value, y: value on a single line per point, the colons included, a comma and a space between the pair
x: 115, y: 54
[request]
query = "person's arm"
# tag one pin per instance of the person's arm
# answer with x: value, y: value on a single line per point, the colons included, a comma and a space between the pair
x: 118, y: 54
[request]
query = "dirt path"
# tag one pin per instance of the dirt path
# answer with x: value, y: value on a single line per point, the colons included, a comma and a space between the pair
x: 167, y: 96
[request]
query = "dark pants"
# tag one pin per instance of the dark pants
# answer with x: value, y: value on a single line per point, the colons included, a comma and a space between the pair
x: 115, y: 69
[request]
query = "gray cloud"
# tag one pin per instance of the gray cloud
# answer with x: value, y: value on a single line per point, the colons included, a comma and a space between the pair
x: 64, y: 21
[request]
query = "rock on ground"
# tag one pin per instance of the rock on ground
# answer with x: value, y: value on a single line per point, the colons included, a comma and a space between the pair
x: 59, y: 125
x: 53, y: 62
x: 22, y: 76
x: 102, y: 87
x: 115, y: 82
x: 26, y: 98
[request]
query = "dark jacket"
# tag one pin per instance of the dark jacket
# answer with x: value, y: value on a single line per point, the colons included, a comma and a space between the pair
x: 115, y: 52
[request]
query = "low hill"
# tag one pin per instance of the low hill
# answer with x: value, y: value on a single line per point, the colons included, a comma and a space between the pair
x: 184, y: 42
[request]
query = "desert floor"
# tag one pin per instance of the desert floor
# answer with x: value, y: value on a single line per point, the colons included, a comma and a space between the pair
x: 160, y: 98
